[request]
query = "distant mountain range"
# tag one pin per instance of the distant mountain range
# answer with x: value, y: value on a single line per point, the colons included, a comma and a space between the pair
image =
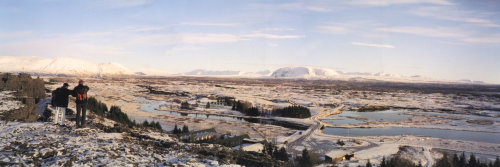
x: 60, y: 66
x: 66, y: 66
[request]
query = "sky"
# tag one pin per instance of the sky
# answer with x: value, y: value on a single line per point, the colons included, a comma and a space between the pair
x: 442, y: 39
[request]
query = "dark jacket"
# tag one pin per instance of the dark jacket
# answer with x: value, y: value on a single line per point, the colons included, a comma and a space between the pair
x: 80, y: 92
x: 60, y: 97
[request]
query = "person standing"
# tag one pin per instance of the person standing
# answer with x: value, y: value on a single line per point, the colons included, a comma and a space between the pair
x: 80, y: 92
x: 60, y: 101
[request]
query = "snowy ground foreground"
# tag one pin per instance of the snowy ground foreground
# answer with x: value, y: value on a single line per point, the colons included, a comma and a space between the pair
x: 34, y: 144
x: 7, y: 103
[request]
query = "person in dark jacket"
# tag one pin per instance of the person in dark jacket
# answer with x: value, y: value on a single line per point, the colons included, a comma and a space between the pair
x: 60, y: 101
x: 80, y: 92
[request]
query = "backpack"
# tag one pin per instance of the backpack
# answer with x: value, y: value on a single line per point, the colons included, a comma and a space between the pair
x: 54, y: 97
x: 81, y: 94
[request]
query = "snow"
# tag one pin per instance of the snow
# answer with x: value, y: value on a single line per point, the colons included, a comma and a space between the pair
x: 308, y: 72
x: 6, y: 104
x: 44, y: 144
x: 304, y: 72
x: 60, y: 65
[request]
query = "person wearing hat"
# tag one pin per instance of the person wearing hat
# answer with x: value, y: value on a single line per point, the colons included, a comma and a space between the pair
x: 60, y: 101
x: 80, y: 92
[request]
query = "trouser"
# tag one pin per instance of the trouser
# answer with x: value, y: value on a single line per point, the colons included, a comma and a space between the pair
x: 60, y: 114
x: 81, y: 108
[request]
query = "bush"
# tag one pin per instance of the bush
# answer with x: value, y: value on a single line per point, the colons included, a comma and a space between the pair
x: 185, y: 105
x: 273, y: 151
x: 96, y: 106
x: 396, y: 161
x: 152, y: 124
x: 116, y: 114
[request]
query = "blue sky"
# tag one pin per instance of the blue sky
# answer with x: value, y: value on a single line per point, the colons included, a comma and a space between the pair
x: 442, y: 39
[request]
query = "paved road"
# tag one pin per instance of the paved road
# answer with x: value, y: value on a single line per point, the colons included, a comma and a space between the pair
x: 312, y: 129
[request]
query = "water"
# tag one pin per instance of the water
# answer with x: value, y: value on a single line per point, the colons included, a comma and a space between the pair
x: 342, y: 120
x: 471, y: 117
x: 438, y: 133
x: 383, y: 116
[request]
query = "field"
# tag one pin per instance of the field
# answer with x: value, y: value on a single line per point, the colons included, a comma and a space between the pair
x: 451, y: 108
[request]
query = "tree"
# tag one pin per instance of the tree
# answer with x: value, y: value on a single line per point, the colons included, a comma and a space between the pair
x: 305, y: 160
x: 383, y: 163
x: 158, y: 126
x: 456, y: 160
x: 208, y: 105
x: 368, y: 164
x: 461, y: 161
x: 443, y: 161
x: 185, y: 129
x: 176, y: 130
x: 252, y: 111
x: 293, y: 112
x: 145, y: 123
x: 282, y: 154
x: 185, y: 105
x: 497, y: 162
x: 472, y: 161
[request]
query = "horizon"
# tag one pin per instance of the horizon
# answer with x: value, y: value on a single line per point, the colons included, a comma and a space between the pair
x: 440, y: 39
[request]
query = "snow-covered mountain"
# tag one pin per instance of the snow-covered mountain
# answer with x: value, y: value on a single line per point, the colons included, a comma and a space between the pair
x: 227, y: 73
x: 60, y: 66
x: 304, y: 72
x: 200, y: 72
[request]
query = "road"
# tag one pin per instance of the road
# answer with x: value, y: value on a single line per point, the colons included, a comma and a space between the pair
x: 312, y: 129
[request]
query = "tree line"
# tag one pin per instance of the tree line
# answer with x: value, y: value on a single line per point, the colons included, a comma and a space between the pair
x: 116, y: 114
x: 461, y: 161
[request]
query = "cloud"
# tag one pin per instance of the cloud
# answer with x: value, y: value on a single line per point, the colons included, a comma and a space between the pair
x: 443, y: 32
x: 144, y: 28
x: 445, y: 13
x: 120, y: 3
x: 372, y: 45
x: 306, y: 6
x: 58, y: 47
x: 430, y: 32
x: 488, y: 39
x: 189, y: 38
x: 14, y: 35
x: 334, y: 29
x: 209, y: 24
x: 397, y: 2
x: 271, y: 36
x: 301, y: 5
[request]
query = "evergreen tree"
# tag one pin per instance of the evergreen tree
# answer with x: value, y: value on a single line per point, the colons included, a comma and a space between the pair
x: 461, y: 162
x: 145, y: 123
x: 283, y: 155
x: 176, y: 130
x: 443, y: 162
x: 383, y: 163
x: 472, y: 161
x: 497, y: 162
x: 368, y: 164
x: 305, y: 160
x: 456, y: 160
x: 185, y: 129
x: 208, y: 105
x: 158, y: 126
